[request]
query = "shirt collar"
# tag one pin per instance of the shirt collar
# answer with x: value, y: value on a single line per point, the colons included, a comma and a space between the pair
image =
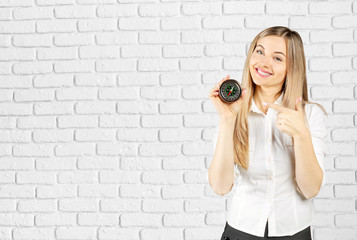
x: 254, y: 107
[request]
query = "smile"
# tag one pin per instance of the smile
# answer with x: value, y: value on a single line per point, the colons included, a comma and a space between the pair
x: 261, y: 73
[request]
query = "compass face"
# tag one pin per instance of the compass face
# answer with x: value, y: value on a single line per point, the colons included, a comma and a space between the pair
x: 230, y: 90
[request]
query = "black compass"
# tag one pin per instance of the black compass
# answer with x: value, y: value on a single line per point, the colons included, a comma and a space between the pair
x: 230, y: 90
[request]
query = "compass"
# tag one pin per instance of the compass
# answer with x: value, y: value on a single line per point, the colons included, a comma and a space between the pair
x: 230, y: 90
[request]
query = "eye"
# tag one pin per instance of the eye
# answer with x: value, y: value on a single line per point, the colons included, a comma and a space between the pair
x: 279, y: 59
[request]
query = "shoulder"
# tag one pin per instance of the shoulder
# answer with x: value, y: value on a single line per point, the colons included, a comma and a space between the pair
x: 314, y: 112
x: 316, y: 118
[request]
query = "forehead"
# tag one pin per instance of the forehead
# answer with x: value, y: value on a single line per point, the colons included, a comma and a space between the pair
x: 273, y: 43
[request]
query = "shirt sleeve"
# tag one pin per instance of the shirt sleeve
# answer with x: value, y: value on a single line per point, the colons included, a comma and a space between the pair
x: 318, y: 132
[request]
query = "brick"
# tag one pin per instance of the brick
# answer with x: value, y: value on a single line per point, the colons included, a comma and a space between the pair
x: 155, y: 205
x: 345, y: 49
x: 287, y: 8
x: 121, y: 10
x: 161, y: 177
x: 33, y: 233
x: 330, y: 64
x: 119, y: 176
x: 120, y: 205
x: 328, y: 36
x: 93, y: 25
x: 344, y: 21
x: 76, y: 232
x: 201, y: 8
x: 181, y: 23
x: 53, y: 26
x: 77, y: 205
x: 94, y: 219
x: 98, y: 190
x: 140, y: 219
x: 142, y: 23
x: 234, y: 7
x: 55, y: 219
x: 265, y: 21
x: 31, y: 13
x: 310, y: 22
x: 75, y: 12
x: 159, y: 9
x: 42, y: 205
x: 188, y: 219
x: 331, y: 92
x: 223, y: 22
x: 335, y: 7
x: 55, y: 136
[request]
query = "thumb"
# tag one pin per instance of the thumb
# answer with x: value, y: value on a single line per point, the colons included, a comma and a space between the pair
x: 298, y: 106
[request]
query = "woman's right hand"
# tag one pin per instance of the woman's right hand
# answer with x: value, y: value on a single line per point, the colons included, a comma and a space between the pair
x: 225, y: 110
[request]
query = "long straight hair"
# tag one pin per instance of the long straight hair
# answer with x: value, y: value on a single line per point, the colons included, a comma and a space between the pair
x: 295, y: 85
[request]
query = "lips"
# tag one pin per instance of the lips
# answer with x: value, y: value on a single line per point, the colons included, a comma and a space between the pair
x: 261, y: 70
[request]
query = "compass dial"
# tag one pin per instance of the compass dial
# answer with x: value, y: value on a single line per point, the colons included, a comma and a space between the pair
x: 230, y: 90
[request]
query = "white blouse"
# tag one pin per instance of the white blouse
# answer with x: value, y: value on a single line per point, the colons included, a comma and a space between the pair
x: 268, y: 189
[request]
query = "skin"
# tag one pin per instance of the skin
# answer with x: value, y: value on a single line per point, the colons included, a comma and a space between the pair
x: 267, y: 60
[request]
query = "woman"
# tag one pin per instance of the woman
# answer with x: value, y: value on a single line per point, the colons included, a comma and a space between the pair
x: 270, y: 143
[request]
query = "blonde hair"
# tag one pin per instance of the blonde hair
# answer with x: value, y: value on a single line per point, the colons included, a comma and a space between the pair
x: 295, y: 85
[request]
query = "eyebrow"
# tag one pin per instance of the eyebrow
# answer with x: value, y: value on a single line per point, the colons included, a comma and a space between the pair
x: 274, y: 52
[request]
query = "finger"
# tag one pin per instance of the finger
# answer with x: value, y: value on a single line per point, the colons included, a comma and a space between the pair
x: 298, y: 106
x: 244, y: 92
x: 276, y: 107
x: 215, y: 89
x: 279, y: 121
x: 279, y: 126
x: 280, y: 115
x: 213, y: 94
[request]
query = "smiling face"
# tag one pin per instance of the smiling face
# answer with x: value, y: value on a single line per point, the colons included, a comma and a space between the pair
x: 267, y: 66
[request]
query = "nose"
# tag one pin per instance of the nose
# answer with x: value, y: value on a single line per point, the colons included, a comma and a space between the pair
x: 266, y: 63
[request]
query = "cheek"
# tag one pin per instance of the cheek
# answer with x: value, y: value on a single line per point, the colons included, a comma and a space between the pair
x: 280, y: 70
x: 252, y: 63
x: 253, y: 59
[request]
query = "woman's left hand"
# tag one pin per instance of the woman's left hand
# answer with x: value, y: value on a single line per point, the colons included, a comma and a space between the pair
x: 290, y: 121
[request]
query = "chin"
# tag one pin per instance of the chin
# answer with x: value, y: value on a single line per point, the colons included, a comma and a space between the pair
x: 259, y: 82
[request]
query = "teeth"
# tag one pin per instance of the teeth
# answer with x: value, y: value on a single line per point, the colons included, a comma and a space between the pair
x: 262, y: 73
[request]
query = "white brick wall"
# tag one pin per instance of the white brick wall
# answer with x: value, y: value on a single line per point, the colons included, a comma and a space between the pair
x: 106, y: 125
